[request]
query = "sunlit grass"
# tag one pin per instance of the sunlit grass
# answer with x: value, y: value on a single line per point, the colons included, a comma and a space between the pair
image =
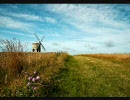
x: 91, y: 75
x: 87, y: 76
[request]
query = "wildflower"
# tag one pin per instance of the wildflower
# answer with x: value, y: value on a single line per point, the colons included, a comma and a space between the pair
x: 30, y: 78
x: 34, y: 88
x: 28, y: 84
x: 35, y: 72
x: 33, y: 79
x: 38, y: 78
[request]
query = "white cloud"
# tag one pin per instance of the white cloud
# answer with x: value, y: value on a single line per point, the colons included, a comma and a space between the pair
x: 53, y: 35
x: 14, y: 24
x: 50, y: 20
x: 101, y: 20
x: 33, y: 17
x: 79, y: 13
x: 87, y: 17
x: 30, y: 17
x: 16, y: 33
x: 27, y: 16
x: 24, y: 16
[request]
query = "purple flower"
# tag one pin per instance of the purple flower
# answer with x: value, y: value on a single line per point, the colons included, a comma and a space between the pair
x: 28, y: 84
x: 38, y: 78
x: 30, y: 78
x: 33, y: 80
x: 34, y: 88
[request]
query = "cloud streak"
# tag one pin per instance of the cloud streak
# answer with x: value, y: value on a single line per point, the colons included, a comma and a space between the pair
x: 90, y: 16
x: 29, y: 17
x: 50, y: 20
x: 7, y: 22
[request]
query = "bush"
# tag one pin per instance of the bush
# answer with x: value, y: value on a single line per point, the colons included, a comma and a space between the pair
x: 12, y: 45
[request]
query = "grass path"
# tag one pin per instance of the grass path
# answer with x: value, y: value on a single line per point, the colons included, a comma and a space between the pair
x: 91, y: 77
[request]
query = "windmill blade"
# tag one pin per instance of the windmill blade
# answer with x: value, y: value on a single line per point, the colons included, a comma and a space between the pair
x: 37, y: 37
x: 42, y: 39
x: 43, y: 47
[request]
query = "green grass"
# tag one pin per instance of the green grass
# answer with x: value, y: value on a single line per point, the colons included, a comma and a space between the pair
x: 67, y: 81
x: 75, y: 76
x: 91, y: 77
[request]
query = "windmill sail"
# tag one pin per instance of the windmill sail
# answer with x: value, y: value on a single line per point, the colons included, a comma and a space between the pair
x: 37, y: 37
x: 43, y: 47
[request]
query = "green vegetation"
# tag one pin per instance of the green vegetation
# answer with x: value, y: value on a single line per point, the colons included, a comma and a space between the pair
x: 62, y: 75
x: 86, y: 76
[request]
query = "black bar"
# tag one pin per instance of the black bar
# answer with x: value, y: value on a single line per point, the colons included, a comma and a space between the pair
x: 65, y: 1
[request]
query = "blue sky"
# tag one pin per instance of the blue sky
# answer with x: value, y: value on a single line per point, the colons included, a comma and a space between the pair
x: 73, y: 28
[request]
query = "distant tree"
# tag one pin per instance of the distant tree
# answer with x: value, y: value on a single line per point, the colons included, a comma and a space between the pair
x: 12, y: 45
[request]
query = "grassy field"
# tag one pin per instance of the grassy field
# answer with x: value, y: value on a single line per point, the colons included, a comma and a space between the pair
x: 95, y: 76
x: 63, y: 75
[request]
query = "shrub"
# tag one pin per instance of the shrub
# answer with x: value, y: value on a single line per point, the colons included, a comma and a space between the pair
x: 12, y: 45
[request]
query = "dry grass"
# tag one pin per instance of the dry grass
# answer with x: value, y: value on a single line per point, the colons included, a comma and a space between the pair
x: 119, y: 57
x: 14, y: 64
x: 103, y: 75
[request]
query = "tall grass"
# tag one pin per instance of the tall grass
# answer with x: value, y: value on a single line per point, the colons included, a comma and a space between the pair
x: 14, y: 64
x: 64, y: 75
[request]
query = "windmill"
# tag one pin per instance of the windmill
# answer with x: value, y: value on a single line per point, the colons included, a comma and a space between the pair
x: 36, y: 47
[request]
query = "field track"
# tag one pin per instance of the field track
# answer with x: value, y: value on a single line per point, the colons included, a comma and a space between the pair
x: 94, y: 77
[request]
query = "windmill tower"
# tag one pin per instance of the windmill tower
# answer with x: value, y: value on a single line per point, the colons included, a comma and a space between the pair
x: 36, y: 47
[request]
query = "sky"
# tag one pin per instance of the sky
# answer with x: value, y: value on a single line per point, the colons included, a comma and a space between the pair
x: 71, y: 28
